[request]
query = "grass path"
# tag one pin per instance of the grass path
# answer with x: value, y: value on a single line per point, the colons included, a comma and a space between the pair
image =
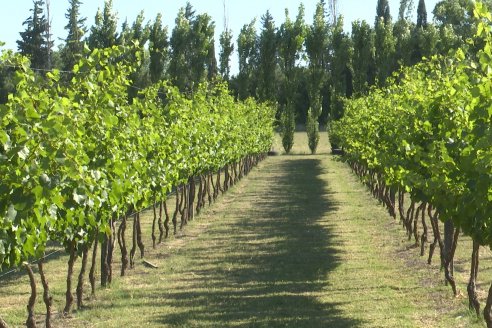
x: 298, y: 243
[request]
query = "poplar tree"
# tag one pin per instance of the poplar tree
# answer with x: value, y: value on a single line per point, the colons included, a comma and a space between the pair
x: 291, y: 36
x: 317, y: 40
x: 158, y: 49
x: 192, y: 49
x: 226, y: 50
x: 383, y: 10
x: 103, y: 32
x: 267, y: 59
x: 247, y: 52
x: 363, y: 56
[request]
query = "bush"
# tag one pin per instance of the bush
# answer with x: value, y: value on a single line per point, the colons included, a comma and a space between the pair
x: 288, y: 125
x: 312, y: 129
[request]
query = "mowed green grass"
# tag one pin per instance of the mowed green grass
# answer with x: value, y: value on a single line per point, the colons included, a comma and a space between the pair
x: 297, y: 243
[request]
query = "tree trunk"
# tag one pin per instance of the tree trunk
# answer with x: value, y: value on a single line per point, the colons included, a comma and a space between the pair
x: 134, y: 241
x: 68, y: 293
x: 154, y: 222
x: 486, y: 310
x: 191, y: 199
x: 104, y: 261
x: 423, y: 238
x: 31, y: 321
x: 122, y: 243
x: 448, y: 267
x: 448, y: 244
x: 166, y: 222
x: 160, y: 223
x: 140, y: 243
x: 112, y: 241
x: 199, y: 196
x: 3, y: 324
x: 48, y: 300
x: 92, y: 272
x: 176, y: 211
x: 80, y: 284
x: 471, y: 288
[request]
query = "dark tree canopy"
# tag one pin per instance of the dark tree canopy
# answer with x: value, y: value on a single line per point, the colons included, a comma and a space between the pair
x: 421, y: 14
x: 34, y: 42
x: 74, y: 45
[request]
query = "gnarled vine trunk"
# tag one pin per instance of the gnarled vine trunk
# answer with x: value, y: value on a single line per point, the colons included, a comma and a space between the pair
x: 80, y: 284
x: 68, y: 294
x: 48, y: 300
x: 31, y: 321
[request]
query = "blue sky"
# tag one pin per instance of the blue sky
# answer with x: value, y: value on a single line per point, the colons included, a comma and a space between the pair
x: 239, y: 12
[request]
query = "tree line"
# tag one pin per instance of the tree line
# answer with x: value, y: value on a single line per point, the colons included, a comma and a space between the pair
x: 305, y: 68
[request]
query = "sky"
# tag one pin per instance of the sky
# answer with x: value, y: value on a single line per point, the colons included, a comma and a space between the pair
x: 238, y: 13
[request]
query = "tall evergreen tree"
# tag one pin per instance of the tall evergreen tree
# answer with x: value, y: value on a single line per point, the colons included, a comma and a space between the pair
x: 341, y: 68
x: 383, y: 10
x: 385, y: 50
x: 421, y: 14
x: 74, y: 45
x: 247, y: 53
x: 139, y: 34
x: 405, y: 11
x: 402, y: 31
x: 267, y: 59
x: 363, y: 57
x: 291, y: 37
x: 158, y: 49
x: 180, y: 51
x: 226, y: 50
x: 34, y: 41
x: 103, y: 32
x: 317, y: 40
x: 203, y: 61
x: 193, y: 51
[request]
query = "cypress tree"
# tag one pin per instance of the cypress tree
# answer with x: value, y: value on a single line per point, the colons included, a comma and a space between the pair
x: 34, y: 40
x: 421, y: 14
x: 383, y: 10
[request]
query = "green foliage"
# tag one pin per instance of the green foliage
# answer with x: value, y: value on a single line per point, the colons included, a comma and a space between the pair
x: 226, y: 50
x: 192, y: 46
x: 74, y: 45
x: 342, y: 51
x: 421, y: 14
x: 312, y: 130
x: 383, y: 12
x: 384, y: 51
x: 248, y: 56
x: 34, y: 41
x: 103, y: 34
x: 363, y: 56
x: 158, y: 49
x: 317, y: 41
x: 75, y: 155
x: 291, y: 36
x: 267, y: 59
x: 288, y: 127
x: 431, y: 134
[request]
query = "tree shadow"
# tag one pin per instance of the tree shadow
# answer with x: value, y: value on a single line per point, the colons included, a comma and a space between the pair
x: 269, y: 267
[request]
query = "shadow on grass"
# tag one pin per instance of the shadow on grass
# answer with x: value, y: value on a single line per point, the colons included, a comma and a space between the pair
x: 272, y: 263
x: 268, y: 268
